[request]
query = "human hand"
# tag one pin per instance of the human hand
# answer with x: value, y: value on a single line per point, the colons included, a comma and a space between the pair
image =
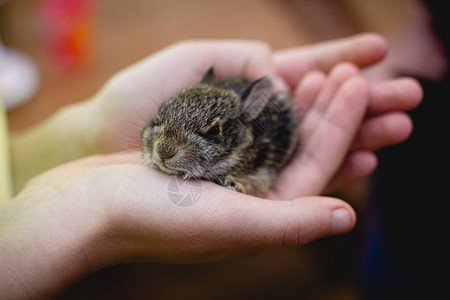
x: 332, y: 109
x: 132, y: 97
x: 106, y: 210
x: 385, y: 121
x: 339, y: 129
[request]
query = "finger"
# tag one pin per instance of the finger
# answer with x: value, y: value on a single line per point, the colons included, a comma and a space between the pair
x: 253, y: 223
x: 307, y: 91
x: 324, y: 151
x: 384, y: 130
x: 315, y: 114
x: 401, y: 94
x: 362, y: 50
x: 358, y: 165
x: 341, y: 73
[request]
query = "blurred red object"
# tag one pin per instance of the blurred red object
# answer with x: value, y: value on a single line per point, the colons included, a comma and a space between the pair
x: 67, y: 28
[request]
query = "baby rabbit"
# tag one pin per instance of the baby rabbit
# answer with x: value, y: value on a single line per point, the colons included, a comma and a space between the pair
x: 235, y: 133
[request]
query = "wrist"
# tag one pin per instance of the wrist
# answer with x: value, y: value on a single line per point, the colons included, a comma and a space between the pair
x: 76, y: 128
x: 67, y: 135
x: 52, y: 237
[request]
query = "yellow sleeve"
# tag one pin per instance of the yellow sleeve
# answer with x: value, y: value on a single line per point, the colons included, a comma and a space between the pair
x: 5, y: 171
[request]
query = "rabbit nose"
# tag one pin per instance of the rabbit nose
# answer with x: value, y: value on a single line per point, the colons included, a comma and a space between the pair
x: 165, y: 150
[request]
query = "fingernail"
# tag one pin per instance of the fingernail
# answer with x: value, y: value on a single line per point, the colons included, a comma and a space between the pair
x: 342, y: 221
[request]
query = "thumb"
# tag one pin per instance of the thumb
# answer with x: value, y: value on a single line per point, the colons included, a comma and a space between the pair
x: 254, y: 222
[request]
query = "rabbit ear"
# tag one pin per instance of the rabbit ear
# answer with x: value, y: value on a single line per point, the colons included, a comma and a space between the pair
x: 208, y: 77
x: 255, y: 97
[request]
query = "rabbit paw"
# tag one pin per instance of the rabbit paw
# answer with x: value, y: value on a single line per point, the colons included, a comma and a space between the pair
x: 233, y: 184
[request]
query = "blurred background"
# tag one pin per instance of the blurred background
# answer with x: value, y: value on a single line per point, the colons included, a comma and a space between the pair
x: 56, y: 52
x: 78, y: 44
